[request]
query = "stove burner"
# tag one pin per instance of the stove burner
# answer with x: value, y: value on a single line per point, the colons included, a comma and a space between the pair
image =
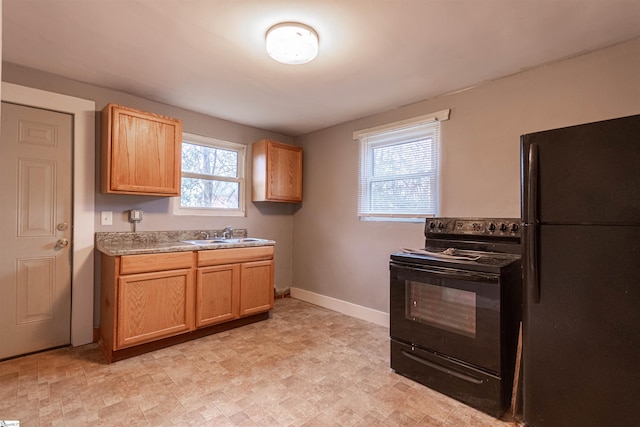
x: 490, y: 262
x: 450, y: 253
x: 474, y: 244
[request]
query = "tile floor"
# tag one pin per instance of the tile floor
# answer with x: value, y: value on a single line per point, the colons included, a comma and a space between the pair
x: 306, y: 366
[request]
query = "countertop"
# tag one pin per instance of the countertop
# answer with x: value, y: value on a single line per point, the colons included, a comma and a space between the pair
x: 149, y: 242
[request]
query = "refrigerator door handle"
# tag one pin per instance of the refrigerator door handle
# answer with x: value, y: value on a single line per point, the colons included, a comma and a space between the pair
x: 531, y: 239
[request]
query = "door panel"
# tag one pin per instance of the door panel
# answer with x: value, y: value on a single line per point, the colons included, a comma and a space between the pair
x: 218, y: 292
x: 581, y: 342
x: 35, y: 218
x: 36, y: 192
x: 586, y: 173
x: 482, y: 348
x: 256, y: 287
x: 285, y: 172
x: 153, y: 306
x: 35, y: 290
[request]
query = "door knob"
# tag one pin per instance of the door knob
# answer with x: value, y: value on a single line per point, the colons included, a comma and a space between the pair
x: 63, y: 226
x: 62, y: 243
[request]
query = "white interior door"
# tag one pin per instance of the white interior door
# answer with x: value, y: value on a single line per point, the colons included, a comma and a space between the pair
x: 35, y: 227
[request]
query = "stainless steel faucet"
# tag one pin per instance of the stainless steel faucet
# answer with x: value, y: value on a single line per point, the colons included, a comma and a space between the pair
x: 227, y: 233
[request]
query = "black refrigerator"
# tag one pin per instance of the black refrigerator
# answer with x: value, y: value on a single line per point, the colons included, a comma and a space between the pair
x: 581, y: 266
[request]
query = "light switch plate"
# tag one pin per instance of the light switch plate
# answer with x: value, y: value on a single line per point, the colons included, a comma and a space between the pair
x: 106, y: 218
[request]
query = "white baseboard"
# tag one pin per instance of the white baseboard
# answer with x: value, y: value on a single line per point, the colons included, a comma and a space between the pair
x: 344, y: 307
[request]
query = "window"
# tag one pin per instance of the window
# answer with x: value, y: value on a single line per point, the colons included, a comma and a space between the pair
x: 212, y: 177
x: 399, y: 169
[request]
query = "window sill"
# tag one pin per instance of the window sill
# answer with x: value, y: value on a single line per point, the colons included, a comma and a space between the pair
x: 179, y: 211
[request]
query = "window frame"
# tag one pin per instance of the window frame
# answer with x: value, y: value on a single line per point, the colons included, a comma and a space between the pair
x: 382, y: 136
x: 207, y: 141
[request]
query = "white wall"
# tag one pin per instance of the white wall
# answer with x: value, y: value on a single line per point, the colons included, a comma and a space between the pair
x: 337, y: 256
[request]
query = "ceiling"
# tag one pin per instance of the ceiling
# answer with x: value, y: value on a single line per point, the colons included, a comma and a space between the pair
x: 375, y: 55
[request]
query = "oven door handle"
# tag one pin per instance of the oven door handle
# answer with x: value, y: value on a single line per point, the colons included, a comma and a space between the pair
x: 444, y: 369
x: 451, y: 274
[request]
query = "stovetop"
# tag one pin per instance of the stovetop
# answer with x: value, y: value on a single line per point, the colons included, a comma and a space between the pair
x: 472, y: 260
x: 478, y: 244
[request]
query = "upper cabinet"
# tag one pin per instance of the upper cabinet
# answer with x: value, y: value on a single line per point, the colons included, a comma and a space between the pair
x: 277, y: 172
x: 140, y: 152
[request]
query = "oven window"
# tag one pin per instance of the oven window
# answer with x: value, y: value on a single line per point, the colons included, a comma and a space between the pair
x: 453, y: 310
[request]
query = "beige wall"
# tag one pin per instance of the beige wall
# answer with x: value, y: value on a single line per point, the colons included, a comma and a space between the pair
x: 336, y: 255
x: 0, y: 36
x: 323, y: 248
x: 266, y: 220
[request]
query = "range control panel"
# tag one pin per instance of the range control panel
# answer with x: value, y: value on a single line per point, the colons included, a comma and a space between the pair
x: 473, y: 226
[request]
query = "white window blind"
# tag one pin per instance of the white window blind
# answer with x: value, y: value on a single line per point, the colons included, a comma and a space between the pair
x: 399, y: 169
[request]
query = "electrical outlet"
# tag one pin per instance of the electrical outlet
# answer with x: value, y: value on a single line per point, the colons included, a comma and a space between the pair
x: 106, y: 218
x: 135, y: 215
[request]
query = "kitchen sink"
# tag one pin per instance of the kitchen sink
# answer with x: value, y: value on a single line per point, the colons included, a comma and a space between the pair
x: 224, y: 241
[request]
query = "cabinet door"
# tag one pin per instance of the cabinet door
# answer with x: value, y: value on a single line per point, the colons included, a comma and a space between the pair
x: 153, y: 306
x: 141, y: 152
x: 284, y: 182
x: 277, y: 172
x: 256, y: 287
x: 217, y: 291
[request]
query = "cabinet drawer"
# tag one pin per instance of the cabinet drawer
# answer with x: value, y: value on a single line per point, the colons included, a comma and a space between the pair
x: 234, y: 255
x: 130, y: 264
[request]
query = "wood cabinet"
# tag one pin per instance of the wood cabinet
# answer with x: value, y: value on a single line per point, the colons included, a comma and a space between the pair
x: 233, y: 283
x: 276, y: 172
x: 217, y: 294
x: 256, y: 287
x: 154, y: 305
x: 140, y: 152
x: 150, y: 301
x: 145, y: 298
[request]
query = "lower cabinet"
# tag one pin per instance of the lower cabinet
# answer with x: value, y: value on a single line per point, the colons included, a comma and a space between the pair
x: 217, y: 294
x: 256, y: 287
x: 150, y: 301
x: 153, y: 306
x: 230, y: 284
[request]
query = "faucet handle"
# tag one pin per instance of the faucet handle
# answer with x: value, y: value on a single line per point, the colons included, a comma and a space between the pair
x: 227, y: 233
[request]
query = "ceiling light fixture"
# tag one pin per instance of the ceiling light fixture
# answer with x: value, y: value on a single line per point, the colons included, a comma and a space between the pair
x: 292, y: 43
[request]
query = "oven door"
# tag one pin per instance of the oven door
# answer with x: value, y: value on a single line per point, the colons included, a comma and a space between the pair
x: 452, y: 312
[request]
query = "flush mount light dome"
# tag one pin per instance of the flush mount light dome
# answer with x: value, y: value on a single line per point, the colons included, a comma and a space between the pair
x: 292, y: 43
